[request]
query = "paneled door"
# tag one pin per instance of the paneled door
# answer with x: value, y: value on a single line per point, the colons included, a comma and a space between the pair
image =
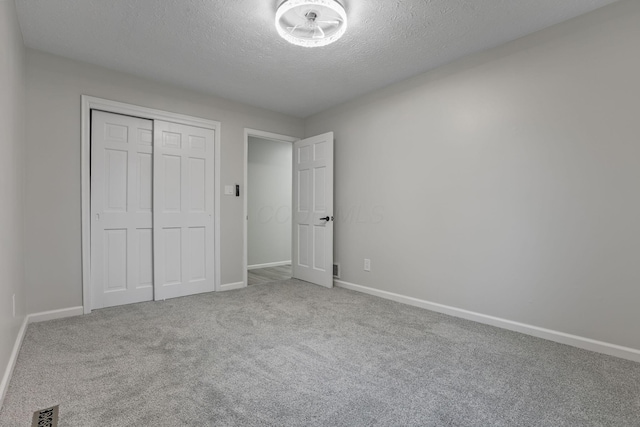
x: 121, y: 209
x: 183, y: 204
x: 313, y: 210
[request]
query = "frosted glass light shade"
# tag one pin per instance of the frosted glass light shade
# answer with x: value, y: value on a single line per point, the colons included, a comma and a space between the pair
x: 311, y: 23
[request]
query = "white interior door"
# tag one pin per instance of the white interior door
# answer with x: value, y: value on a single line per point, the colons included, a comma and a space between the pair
x: 183, y: 205
x: 313, y: 210
x: 121, y: 216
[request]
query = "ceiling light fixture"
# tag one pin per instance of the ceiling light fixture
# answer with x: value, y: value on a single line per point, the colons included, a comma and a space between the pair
x: 311, y: 23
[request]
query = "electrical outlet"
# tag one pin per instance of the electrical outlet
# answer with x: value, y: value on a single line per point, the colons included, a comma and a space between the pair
x: 14, y: 304
x: 367, y: 264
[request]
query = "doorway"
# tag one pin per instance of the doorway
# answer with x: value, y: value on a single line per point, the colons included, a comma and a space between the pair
x: 268, y: 199
x: 311, y: 243
x: 269, y: 184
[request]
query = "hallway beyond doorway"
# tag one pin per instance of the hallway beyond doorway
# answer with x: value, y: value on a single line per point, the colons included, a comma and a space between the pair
x: 260, y: 276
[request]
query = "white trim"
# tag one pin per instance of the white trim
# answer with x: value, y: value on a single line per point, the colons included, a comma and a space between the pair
x: 28, y: 319
x: 89, y: 103
x: 85, y: 201
x: 245, y: 235
x: 8, y: 372
x: 55, y: 314
x: 267, y: 265
x: 548, y: 334
x: 232, y: 286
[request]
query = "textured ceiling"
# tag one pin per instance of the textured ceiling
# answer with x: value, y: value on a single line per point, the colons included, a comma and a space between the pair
x: 230, y: 48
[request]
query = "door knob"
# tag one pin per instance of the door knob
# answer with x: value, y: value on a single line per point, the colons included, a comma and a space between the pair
x: 326, y: 218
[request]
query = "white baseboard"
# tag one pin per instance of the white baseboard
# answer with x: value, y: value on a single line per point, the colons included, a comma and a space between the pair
x: 548, y: 334
x: 232, y: 286
x: 6, y: 378
x: 31, y: 318
x: 269, y: 264
x: 55, y: 314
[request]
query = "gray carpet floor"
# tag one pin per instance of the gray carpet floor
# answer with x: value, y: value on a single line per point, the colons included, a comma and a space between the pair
x: 294, y: 354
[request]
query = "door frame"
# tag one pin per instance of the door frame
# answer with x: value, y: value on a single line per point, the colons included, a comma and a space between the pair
x: 245, y: 234
x: 89, y: 103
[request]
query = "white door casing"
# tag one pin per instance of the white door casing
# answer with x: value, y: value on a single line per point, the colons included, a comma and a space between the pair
x: 312, y: 250
x: 183, y: 206
x: 121, y: 215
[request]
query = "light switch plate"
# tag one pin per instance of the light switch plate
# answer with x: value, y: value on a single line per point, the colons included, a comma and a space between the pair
x: 229, y: 190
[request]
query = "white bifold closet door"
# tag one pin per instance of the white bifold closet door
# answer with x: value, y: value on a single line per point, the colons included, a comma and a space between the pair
x: 183, y: 207
x: 152, y: 207
x: 121, y: 209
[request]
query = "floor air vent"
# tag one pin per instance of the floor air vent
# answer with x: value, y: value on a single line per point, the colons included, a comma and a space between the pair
x: 336, y: 271
x: 46, y: 417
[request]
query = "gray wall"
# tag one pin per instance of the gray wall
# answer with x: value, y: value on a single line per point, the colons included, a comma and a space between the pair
x: 505, y: 183
x: 11, y: 180
x: 54, y: 87
x: 269, y: 201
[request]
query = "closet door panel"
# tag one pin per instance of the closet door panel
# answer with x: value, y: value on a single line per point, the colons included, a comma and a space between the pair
x: 183, y: 210
x: 121, y: 218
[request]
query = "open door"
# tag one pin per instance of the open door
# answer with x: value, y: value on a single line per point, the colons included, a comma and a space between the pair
x: 312, y: 253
